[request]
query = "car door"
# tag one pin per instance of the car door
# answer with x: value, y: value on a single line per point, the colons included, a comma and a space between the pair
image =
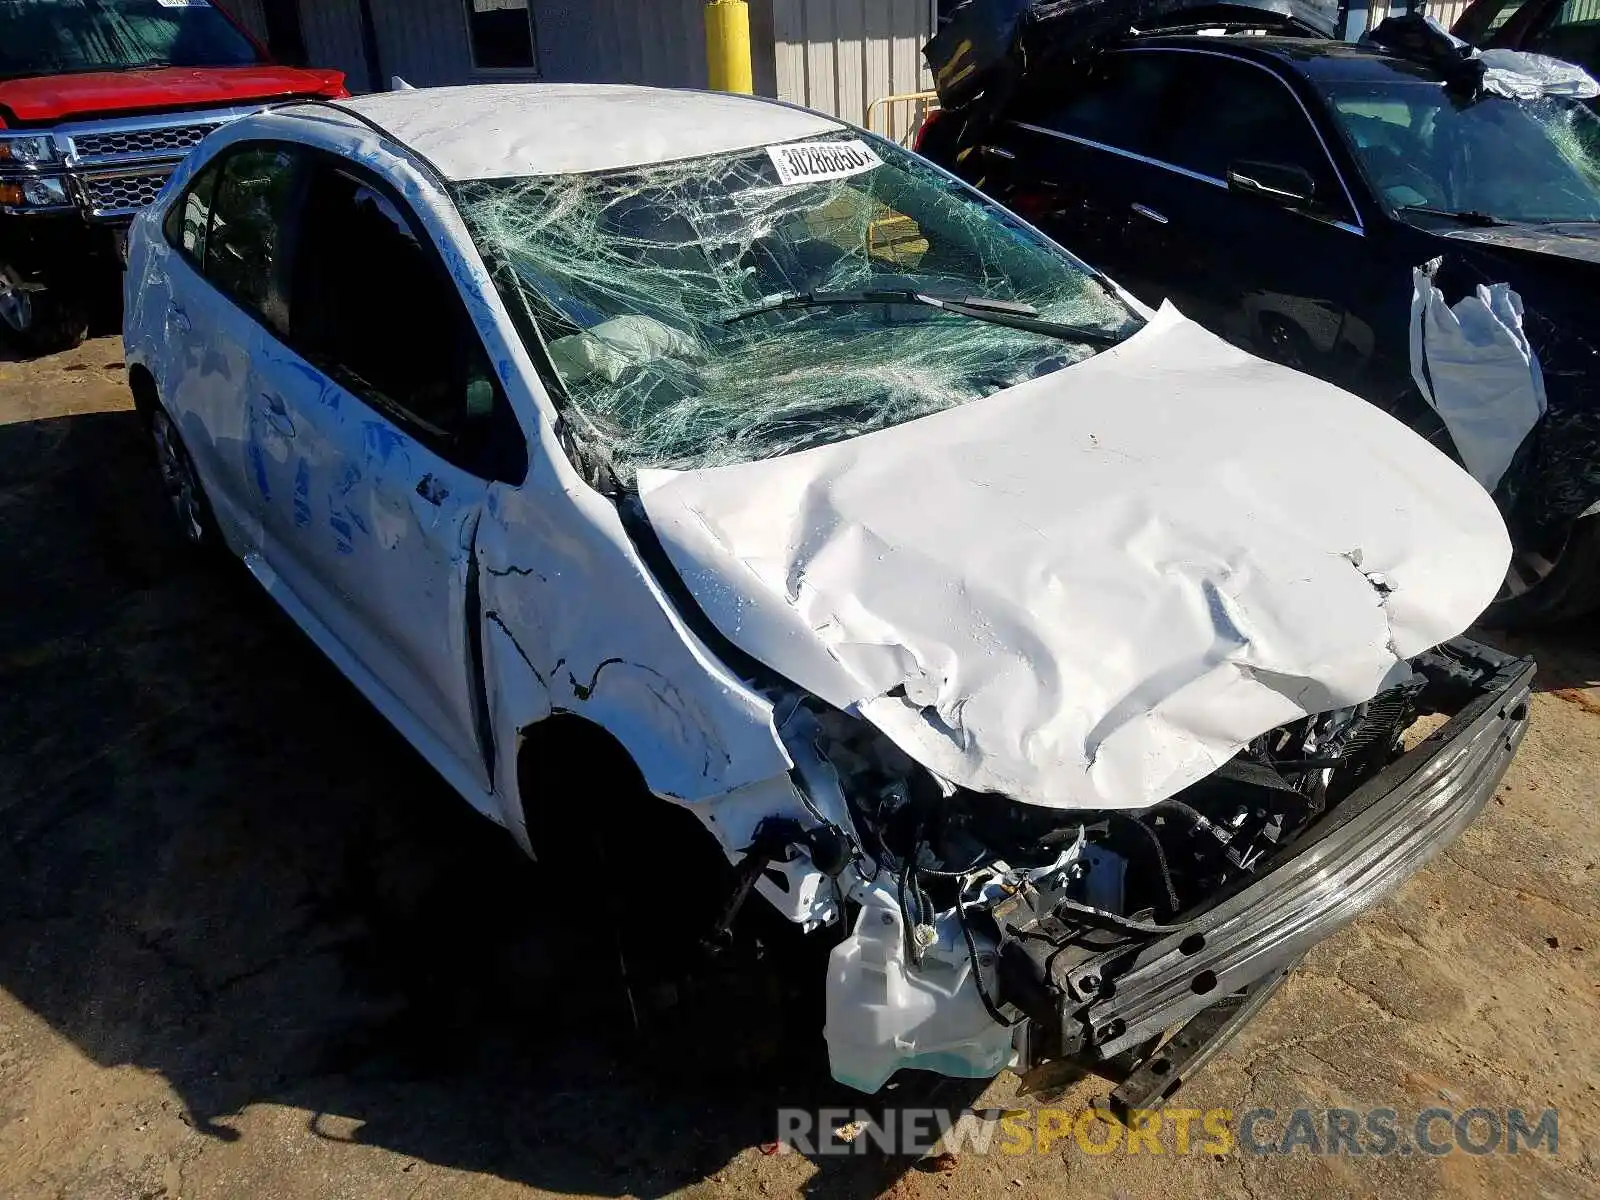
x: 1079, y: 168
x: 224, y: 286
x: 386, y: 427
x: 1278, y: 275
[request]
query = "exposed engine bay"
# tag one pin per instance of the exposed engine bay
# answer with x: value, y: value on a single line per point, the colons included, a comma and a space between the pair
x: 975, y: 916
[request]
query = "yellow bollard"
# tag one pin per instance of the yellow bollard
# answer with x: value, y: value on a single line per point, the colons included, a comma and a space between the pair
x: 728, y: 46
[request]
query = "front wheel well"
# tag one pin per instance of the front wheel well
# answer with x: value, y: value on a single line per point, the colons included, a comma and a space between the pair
x: 581, y: 796
x: 145, y: 397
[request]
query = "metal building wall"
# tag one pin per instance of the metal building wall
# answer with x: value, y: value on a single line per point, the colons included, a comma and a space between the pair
x: 248, y: 13
x: 332, y: 32
x: 594, y: 41
x: 833, y: 55
x: 839, y: 56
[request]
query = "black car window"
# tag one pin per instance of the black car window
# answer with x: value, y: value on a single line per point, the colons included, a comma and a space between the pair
x: 254, y: 197
x: 189, y: 217
x: 1235, y: 111
x: 1119, y: 103
x: 374, y: 308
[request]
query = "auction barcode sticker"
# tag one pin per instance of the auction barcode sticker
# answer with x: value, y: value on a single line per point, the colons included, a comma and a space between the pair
x: 809, y: 162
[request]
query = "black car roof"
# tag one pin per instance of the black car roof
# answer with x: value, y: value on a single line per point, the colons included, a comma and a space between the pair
x: 1315, y: 58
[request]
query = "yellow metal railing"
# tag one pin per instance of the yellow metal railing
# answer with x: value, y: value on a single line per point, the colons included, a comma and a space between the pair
x: 914, y: 107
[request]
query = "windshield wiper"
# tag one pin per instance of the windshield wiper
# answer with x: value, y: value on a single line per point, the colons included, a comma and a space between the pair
x: 1464, y: 216
x: 1010, y: 313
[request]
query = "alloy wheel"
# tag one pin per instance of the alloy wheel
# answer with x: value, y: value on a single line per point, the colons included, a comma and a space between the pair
x: 16, y: 305
x: 177, y: 478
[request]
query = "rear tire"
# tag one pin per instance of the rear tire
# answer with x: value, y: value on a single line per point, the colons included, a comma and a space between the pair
x: 181, y: 482
x: 41, y: 322
x: 1550, y: 584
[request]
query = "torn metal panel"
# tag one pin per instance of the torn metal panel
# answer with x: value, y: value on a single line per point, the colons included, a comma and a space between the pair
x: 1095, y: 588
x: 574, y: 622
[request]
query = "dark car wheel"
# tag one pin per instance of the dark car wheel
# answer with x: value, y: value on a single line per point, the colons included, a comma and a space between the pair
x: 1551, y: 582
x: 40, y: 322
x: 1284, y: 342
x: 181, y: 483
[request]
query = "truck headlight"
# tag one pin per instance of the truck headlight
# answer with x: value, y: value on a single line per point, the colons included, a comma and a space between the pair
x: 27, y: 149
x: 42, y: 191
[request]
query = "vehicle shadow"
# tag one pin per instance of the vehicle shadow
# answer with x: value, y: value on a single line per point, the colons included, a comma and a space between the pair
x: 1568, y: 657
x: 218, y: 863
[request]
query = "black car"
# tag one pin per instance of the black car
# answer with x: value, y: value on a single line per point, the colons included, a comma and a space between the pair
x: 1281, y: 189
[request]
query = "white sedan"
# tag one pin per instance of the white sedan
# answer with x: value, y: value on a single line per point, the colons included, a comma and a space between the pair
x: 1046, y: 654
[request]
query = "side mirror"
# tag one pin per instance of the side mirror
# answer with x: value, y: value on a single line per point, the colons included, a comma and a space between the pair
x: 1281, y: 183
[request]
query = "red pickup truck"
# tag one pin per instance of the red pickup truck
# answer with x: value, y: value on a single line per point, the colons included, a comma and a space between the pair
x: 99, y: 101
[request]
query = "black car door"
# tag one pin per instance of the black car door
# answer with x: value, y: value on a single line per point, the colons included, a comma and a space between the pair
x: 1080, y: 169
x: 1262, y: 240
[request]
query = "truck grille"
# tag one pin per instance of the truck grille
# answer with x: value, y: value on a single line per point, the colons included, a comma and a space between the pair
x: 139, y: 141
x: 114, y: 195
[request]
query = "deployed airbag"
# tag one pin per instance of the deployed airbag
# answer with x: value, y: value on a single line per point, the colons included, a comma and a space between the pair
x: 1473, y: 363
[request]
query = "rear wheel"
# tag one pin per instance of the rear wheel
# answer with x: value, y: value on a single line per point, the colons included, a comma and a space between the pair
x: 40, y: 321
x: 1551, y: 580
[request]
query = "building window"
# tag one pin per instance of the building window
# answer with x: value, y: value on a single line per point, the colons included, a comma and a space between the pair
x: 501, y: 32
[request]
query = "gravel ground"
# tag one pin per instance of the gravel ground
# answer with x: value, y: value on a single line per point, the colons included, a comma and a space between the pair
x: 250, y: 946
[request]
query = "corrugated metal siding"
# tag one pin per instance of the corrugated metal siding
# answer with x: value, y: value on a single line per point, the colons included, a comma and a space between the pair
x: 596, y: 41
x: 332, y: 32
x: 248, y: 13
x: 660, y: 42
x: 839, y: 56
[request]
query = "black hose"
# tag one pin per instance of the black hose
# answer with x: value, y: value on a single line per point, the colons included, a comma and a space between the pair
x: 1117, y: 921
x: 989, y: 1005
x: 1160, y: 852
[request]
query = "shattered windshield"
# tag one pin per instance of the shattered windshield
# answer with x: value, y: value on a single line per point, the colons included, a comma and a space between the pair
x: 708, y: 312
x: 1518, y: 161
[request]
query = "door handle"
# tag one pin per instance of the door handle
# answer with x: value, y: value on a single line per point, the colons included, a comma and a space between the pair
x: 278, y: 414
x: 1150, y: 214
x: 180, y: 319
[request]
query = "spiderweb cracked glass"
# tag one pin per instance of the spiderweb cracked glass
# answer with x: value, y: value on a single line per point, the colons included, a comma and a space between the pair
x: 630, y: 278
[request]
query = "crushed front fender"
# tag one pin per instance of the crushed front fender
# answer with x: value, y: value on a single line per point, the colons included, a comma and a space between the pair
x: 1358, y: 854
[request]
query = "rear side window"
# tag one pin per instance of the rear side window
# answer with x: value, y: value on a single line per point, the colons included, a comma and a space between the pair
x: 189, y: 218
x: 1120, y: 103
x: 374, y: 309
x: 254, y: 196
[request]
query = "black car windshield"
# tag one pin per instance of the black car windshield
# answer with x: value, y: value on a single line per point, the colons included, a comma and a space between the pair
x: 1517, y: 161
x: 56, y: 37
x: 708, y: 311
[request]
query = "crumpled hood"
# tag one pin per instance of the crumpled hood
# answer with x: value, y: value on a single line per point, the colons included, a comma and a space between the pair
x: 1091, y: 590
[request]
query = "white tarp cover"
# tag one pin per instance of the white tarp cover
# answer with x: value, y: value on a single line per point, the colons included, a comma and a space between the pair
x: 1090, y: 590
x: 1481, y: 374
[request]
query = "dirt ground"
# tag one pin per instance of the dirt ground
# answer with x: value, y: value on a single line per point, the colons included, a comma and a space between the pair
x: 250, y: 946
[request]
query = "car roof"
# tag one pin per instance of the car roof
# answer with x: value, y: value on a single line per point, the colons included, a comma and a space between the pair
x: 1315, y: 58
x: 494, y: 131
